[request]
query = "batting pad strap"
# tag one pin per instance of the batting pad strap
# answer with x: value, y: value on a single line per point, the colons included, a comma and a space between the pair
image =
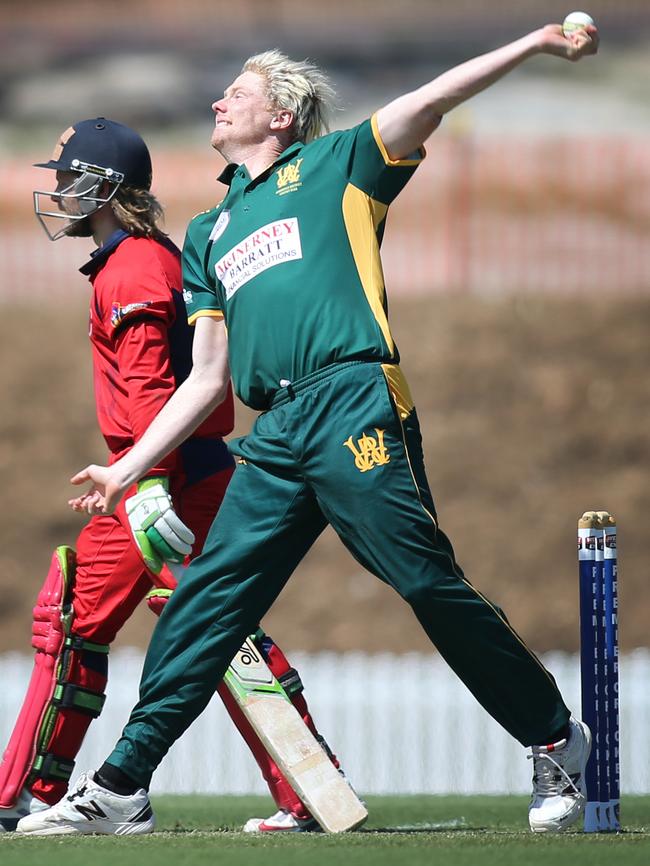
x: 69, y: 695
x: 48, y: 766
x: 78, y: 643
x: 291, y: 682
x: 159, y: 592
x: 157, y: 598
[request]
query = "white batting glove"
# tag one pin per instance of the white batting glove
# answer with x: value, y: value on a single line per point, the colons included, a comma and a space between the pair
x: 160, y: 534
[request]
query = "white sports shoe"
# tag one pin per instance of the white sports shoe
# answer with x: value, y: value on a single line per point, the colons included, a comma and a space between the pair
x: 26, y: 804
x: 89, y: 808
x: 281, y: 822
x: 559, y: 792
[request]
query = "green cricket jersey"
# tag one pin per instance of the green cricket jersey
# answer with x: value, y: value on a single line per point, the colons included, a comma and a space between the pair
x: 291, y: 261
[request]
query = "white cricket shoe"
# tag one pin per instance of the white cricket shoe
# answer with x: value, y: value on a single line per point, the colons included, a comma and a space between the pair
x: 559, y: 791
x: 281, y: 822
x: 26, y: 804
x: 89, y: 808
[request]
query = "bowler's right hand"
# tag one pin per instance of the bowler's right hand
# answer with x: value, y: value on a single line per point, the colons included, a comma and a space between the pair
x: 574, y: 46
x: 105, y: 492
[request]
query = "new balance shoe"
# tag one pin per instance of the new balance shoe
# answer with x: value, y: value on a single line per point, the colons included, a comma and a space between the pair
x: 559, y: 791
x: 281, y: 822
x: 89, y: 808
x: 26, y: 804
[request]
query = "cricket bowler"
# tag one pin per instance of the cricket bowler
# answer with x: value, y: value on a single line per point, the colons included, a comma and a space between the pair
x: 284, y: 278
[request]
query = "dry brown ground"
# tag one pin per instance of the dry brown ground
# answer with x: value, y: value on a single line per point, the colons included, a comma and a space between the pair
x: 533, y: 410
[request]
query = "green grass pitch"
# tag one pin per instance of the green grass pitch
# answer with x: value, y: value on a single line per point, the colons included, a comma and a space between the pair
x: 454, y: 831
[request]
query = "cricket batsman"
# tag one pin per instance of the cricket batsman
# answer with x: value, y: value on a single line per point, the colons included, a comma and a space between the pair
x: 284, y: 277
x: 142, y: 351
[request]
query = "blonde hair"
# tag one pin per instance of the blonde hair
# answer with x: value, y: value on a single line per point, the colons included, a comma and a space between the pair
x: 138, y: 211
x: 299, y: 86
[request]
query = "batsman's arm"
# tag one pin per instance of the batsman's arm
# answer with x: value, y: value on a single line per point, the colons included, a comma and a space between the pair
x: 406, y: 123
x: 200, y: 393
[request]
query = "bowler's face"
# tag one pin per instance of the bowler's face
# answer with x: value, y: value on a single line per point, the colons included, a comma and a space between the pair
x: 243, y: 116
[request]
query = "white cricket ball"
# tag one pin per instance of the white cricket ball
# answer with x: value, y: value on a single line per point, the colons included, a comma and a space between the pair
x: 576, y: 21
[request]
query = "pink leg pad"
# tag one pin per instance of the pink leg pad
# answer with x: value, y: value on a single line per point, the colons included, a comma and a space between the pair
x: 51, y: 621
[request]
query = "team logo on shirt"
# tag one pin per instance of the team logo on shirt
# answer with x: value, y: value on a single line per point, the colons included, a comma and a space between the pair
x: 220, y: 226
x: 120, y: 313
x: 369, y: 451
x: 273, y: 244
x: 288, y: 177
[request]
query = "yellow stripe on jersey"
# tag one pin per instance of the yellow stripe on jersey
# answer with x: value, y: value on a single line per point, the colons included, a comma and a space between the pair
x: 215, y: 314
x: 399, y: 389
x: 362, y: 234
x: 415, y: 158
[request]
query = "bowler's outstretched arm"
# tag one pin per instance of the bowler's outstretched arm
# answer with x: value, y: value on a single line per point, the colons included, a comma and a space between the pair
x: 409, y: 120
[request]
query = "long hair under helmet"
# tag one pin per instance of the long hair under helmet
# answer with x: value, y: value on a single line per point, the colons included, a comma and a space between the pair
x: 104, y: 154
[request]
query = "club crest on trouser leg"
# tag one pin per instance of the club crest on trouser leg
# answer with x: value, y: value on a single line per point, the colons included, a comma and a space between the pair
x: 369, y: 451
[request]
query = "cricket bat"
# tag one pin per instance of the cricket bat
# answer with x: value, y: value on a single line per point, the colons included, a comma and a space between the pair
x: 291, y: 744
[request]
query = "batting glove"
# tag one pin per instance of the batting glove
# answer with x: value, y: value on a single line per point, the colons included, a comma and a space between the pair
x: 159, y: 532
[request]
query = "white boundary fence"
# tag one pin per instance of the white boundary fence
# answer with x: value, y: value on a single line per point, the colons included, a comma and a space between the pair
x: 400, y: 724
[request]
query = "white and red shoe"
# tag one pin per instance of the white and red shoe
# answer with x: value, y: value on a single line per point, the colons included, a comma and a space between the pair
x: 281, y: 822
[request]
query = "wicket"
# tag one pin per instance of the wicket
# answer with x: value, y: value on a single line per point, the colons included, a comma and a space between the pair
x: 597, y: 558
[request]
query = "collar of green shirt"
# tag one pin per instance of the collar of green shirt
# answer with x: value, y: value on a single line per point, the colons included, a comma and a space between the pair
x: 227, y: 175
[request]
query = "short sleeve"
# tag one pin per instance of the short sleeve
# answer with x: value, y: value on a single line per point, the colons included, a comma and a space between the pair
x: 362, y: 157
x: 199, y: 289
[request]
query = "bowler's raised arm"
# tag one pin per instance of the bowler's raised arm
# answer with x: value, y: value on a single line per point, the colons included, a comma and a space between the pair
x: 407, y: 122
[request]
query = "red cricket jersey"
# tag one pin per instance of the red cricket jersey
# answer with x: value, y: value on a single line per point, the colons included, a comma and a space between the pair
x: 142, y: 350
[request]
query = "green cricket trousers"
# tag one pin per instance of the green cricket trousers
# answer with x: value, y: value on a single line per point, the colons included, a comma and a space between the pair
x: 343, y: 447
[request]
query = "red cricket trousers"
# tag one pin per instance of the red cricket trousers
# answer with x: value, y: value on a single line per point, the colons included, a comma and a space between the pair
x: 111, y: 580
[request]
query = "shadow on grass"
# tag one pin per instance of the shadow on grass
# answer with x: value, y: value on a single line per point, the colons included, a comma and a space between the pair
x: 406, y: 829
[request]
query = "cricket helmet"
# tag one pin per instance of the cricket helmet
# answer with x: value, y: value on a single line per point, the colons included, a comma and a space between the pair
x: 104, y: 154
